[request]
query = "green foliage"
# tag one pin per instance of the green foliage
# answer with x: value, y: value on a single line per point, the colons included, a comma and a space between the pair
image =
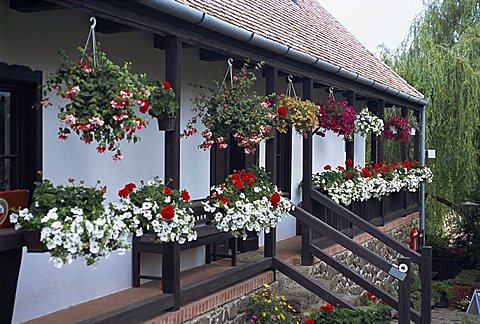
x: 441, y: 58
x: 373, y: 313
x: 444, y: 286
x: 267, y: 307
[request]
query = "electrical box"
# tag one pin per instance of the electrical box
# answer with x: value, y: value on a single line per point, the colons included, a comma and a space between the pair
x: 430, y: 154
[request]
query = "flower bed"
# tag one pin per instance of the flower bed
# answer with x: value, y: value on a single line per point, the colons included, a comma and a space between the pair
x: 156, y: 208
x: 232, y: 110
x: 346, y: 185
x: 247, y: 201
x: 103, y: 100
x: 73, y: 223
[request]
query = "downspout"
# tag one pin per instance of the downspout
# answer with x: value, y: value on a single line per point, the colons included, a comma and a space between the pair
x: 422, y: 184
x: 200, y: 18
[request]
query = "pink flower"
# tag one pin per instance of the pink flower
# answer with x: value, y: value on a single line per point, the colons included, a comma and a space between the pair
x: 117, y: 156
x: 63, y: 137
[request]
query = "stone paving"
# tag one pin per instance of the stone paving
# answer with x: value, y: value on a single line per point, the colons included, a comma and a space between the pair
x: 450, y: 315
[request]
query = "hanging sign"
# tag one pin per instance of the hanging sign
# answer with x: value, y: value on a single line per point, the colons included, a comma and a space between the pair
x: 3, y: 211
x: 11, y: 200
x: 474, y: 306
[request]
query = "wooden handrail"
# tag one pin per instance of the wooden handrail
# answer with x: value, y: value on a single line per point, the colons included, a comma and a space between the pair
x: 342, y: 239
x: 309, y: 284
x: 365, y: 226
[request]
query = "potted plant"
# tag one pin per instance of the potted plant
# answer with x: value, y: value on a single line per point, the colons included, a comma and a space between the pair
x: 157, y: 209
x: 69, y: 221
x: 442, y: 291
x: 231, y: 108
x: 337, y: 117
x: 349, y: 184
x: 298, y: 113
x: 366, y: 122
x: 163, y: 105
x: 247, y: 201
x: 400, y: 128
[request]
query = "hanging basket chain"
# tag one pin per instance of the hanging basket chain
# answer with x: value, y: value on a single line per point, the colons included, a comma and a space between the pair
x: 331, y: 95
x: 290, y: 87
x: 229, y: 72
x: 91, y: 34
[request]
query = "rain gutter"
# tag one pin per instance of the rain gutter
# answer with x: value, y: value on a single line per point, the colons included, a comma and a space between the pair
x: 200, y: 18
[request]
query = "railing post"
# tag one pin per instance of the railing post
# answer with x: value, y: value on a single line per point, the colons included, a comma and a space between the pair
x: 270, y: 246
x: 404, y: 292
x: 307, y: 258
x: 426, y: 282
x: 171, y: 271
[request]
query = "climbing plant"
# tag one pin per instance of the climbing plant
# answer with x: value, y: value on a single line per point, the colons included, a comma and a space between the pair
x: 441, y: 58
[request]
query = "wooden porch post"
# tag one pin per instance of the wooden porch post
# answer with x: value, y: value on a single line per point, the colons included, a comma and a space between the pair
x: 171, y: 255
x: 307, y: 258
x: 416, y: 139
x: 350, y: 145
x: 404, y: 152
x: 372, y: 106
x: 11, y: 243
x: 271, y: 158
x: 426, y: 284
x: 381, y: 140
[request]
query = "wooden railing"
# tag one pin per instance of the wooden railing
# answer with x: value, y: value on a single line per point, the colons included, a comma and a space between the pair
x: 376, y: 212
x: 311, y: 224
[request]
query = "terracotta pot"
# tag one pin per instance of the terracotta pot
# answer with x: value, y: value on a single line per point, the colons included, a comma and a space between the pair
x: 32, y: 241
x: 167, y: 124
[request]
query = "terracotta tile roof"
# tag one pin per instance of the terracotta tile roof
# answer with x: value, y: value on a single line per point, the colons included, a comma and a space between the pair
x: 307, y: 27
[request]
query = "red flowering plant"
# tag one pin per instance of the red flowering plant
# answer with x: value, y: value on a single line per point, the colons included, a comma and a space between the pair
x: 156, y: 208
x: 247, y: 201
x: 231, y: 108
x: 293, y: 111
x: 373, y: 313
x: 400, y: 128
x: 337, y: 117
x: 102, y: 100
x: 351, y: 183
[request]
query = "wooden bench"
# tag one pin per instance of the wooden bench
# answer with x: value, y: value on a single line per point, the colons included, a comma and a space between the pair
x: 207, y: 235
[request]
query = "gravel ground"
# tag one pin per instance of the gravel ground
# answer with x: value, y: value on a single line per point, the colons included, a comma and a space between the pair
x: 450, y: 315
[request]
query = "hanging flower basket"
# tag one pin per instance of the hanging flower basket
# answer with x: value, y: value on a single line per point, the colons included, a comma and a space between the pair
x: 157, y: 209
x: 337, y: 117
x: 247, y: 202
x: 366, y: 122
x: 230, y: 108
x: 400, y: 128
x: 167, y: 123
x: 33, y: 242
x: 298, y: 113
x: 70, y: 222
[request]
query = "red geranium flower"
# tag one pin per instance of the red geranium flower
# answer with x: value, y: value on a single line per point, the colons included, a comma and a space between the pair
x: 185, y: 195
x: 168, y: 212
x: 328, y: 307
x: 275, y: 199
x: 238, y: 184
x: 282, y: 111
x: 327, y: 167
x: 225, y: 201
x: 123, y: 192
x: 349, y: 162
x: 309, y: 321
x: 130, y: 186
x: 167, y: 85
x: 348, y: 175
x: 366, y: 173
x: 340, y: 168
x: 101, y: 149
x: 168, y: 191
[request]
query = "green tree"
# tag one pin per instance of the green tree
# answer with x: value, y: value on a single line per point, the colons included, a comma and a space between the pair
x: 441, y: 58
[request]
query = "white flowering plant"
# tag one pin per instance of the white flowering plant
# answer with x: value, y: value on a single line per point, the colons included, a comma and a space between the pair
x: 156, y: 208
x: 73, y: 222
x: 247, y: 201
x: 366, y: 122
x: 348, y: 184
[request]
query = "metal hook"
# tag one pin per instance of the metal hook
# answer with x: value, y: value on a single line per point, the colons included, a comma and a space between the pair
x: 290, y: 78
x: 331, y: 90
x: 93, y: 21
x: 230, y: 61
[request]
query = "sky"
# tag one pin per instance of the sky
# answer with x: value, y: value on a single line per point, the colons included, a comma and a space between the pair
x: 374, y: 22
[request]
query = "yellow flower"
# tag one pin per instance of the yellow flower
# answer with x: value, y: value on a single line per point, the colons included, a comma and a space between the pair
x: 266, y: 285
x: 264, y: 314
x: 276, y: 308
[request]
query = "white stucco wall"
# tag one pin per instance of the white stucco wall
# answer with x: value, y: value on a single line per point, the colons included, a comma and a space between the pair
x: 33, y: 40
